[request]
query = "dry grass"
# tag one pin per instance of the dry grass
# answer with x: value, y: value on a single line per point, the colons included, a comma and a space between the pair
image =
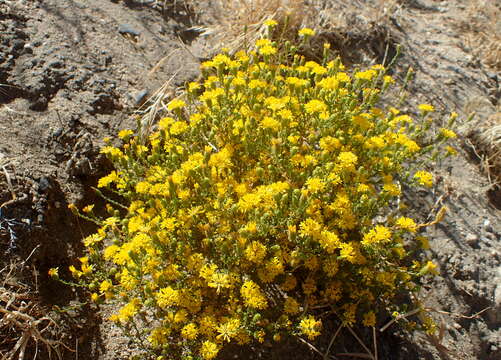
x: 238, y: 23
x: 481, y: 28
x: 486, y: 141
x: 23, y: 326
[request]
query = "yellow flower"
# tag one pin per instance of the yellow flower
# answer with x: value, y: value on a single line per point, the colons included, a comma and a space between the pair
x: 219, y: 281
x: 263, y: 42
x: 255, y: 252
x: 392, y: 189
x: 388, y: 79
x: 176, y: 104
x: 158, y: 337
x: 306, y: 32
x: 270, y: 23
x: 106, y: 180
x: 270, y: 123
x: 448, y: 134
x: 315, y: 106
x: 451, y: 151
x: 429, y: 268
x: 178, y: 127
x: 348, y: 252
x: 189, y: 331
x: 424, y: 178
x: 128, y: 311
x: 255, y: 83
x: 125, y: 134
x: 315, y: 185
x: 267, y: 50
x: 310, y: 327
x: 407, y: 224
x: 110, y: 251
x: 167, y: 297
x: 105, y: 286
x: 329, y: 241
x: 253, y: 296
x: 349, y: 314
x: 289, y: 283
x: 209, y: 350
x: 366, y: 75
x: 426, y: 108
x: 329, y: 143
x: 429, y: 325
x: 347, y: 160
x: 228, y: 330
x: 54, y: 273
x: 329, y: 83
x: 310, y: 227
x: 379, y: 234
x: 193, y: 86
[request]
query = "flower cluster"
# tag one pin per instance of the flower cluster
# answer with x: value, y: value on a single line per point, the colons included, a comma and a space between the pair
x: 256, y: 202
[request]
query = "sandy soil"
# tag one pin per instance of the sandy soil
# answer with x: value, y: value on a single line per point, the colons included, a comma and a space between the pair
x: 73, y: 72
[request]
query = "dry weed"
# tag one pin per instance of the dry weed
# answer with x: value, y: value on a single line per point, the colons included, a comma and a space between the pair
x: 22, y: 321
x: 238, y: 23
x: 481, y: 28
x: 486, y: 142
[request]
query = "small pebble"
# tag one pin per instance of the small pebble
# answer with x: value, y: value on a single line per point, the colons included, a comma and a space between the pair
x: 57, y: 132
x: 140, y: 97
x: 128, y: 29
x: 488, y: 226
x: 43, y: 184
x: 471, y: 239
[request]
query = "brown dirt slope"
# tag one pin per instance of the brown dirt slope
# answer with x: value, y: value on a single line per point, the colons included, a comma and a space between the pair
x: 72, y: 72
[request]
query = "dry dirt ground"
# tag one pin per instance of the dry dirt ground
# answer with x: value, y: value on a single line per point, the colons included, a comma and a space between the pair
x: 74, y: 71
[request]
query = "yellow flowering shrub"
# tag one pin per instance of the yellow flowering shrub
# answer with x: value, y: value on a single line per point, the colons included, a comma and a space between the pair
x: 254, y: 205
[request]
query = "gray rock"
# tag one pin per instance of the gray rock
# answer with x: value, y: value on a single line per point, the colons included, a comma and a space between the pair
x: 43, y: 184
x: 140, y: 97
x: 128, y: 29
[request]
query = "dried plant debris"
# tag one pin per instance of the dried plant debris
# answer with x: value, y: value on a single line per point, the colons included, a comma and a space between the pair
x: 24, y: 328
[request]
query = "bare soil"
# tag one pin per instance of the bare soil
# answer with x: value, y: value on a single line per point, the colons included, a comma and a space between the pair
x: 73, y: 72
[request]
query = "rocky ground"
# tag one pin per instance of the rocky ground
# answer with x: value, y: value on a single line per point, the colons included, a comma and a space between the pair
x: 75, y: 71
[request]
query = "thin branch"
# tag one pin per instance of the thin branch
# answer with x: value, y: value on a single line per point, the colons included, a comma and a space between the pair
x: 332, y: 341
x: 403, y: 316
x: 361, y: 342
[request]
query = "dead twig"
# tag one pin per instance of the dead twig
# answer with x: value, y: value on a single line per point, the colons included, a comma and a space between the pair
x: 326, y: 355
x: 399, y: 317
x: 20, y: 322
x: 357, y: 355
x: 369, y: 353
x: 311, y: 346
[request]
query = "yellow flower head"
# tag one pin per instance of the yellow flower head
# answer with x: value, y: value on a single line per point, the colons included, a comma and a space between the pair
x: 270, y: 23
x: 310, y: 327
x: 209, y: 350
x: 253, y: 295
x: 448, y: 134
x: 426, y: 108
x: 424, y: 178
x: 306, y: 32
x: 176, y: 104
x: 407, y: 224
